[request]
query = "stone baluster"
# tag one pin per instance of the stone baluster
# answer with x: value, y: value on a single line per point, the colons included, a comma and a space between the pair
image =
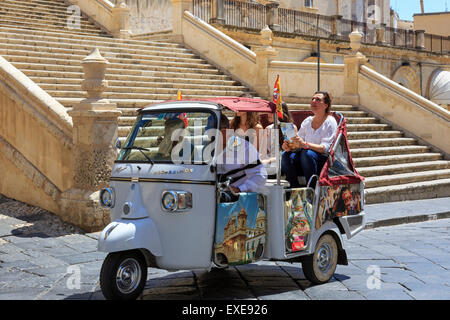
x: 272, y: 15
x: 217, y: 12
x: 95, y: 131
x: 178, y: 9
x: 420, y: 39
x: 121, y: 20
x: 336, y: 26
x: 264, y: 54
x: 352, y: 63
x: 381, y: 31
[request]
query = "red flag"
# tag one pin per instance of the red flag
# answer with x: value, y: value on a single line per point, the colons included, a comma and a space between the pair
x: 277, y: 97
x: 182, y: 116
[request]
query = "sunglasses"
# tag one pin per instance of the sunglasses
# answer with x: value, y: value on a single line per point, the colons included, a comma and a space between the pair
x: 316, y: 99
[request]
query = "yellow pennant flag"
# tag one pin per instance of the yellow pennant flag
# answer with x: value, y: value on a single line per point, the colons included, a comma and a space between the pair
x: 179, y: 97
x: 277, y: 97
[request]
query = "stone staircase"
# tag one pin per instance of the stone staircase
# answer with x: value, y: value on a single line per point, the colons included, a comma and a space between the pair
x: 395, y: 167
x: 35, y: 39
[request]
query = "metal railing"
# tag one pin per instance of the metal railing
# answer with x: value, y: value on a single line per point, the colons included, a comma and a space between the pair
x: 244, y: 14
x: 253, y: 15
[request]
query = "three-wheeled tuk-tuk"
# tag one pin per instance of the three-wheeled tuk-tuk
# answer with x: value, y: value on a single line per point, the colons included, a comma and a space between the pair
x: 166, y: 211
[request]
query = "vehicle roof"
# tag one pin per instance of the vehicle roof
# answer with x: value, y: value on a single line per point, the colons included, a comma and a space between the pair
x: 233, y: 103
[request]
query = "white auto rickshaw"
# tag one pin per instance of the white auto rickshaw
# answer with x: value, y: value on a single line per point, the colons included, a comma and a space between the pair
x: 166, y: 213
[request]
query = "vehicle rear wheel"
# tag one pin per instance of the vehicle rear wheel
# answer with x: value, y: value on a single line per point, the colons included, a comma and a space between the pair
x: 320, y: 266
x: 123, y: 275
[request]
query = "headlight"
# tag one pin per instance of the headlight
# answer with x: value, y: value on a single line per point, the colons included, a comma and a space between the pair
x: 176, y: 200
x: 107, y: 197
x: 169, y: 201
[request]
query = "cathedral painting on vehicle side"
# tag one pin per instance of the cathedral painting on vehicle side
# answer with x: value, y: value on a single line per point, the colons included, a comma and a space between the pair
x: 241, y: 229
x: 298, y: 213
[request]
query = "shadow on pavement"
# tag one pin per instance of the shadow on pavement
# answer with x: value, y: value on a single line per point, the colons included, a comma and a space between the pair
x: 234, y: 283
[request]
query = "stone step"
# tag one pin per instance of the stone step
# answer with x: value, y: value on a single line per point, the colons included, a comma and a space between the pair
x: 368, y: 152
x: 53, y: 39
x: 18, y: 11
x: 160, y: 94
x: 125, y: 63
x: 364, y: 143
x: 112, y: 58
x: 362, y: 120
x: 356, y: 135
x: 147, y: 87
x: 49, y: 24
x: 36, y: 3
x: 40, y: 9
x: 396, y: 179
x: 108, y: 52
x: 18, y: 32
x: 395, y: 159
x: 409, y: 191
x: 39, y: 17
x: 403, y: 168
x: 118, y: 69
x: 153, y: 81
x: 368, y: 127
x: 68, y: 32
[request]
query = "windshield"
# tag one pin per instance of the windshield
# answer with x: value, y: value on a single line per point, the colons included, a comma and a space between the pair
x: 170, y: 137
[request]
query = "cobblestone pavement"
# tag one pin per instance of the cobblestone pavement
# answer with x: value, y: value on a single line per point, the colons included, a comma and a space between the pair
x: 42, y: 258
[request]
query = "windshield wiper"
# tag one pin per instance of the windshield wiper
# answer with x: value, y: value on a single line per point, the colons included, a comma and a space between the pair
x: 141, y: 149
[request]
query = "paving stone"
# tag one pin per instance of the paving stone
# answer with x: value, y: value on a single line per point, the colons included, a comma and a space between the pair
x: 279, y: 293
x: 84, y: 257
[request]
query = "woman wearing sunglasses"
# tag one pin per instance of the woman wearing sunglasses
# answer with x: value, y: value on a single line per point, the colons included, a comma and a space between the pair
x: 306, y: 153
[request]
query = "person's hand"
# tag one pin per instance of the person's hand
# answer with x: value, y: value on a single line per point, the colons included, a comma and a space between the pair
x: 297, y: 143
x: 285, y: 146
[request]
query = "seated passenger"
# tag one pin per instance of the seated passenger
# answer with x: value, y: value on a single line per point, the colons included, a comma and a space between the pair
x: 307, y: 153
x: 239, y: 161
x: 270, y: 143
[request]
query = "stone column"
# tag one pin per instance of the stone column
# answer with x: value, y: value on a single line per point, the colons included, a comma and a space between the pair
x: 121, y: 20
x: 95, y: 130
x: 336, y: 26
x: 217, y: 12
x: 178, y: 9
x: 380, y: 34
x: 420, y: 39
x: 264, y: 55
x: 352, y: 63
x: 272, y: 15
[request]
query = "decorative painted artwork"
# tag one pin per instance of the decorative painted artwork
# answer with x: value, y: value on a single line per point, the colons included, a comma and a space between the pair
x: 241, y: 230
x: 298, y: 212
x: 338, y: 201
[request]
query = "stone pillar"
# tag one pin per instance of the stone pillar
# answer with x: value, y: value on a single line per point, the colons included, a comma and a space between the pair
x: 121, y: 20
x: 272, y: 15
x: 95, y: 130
x: 264, y: 55
x: 336, y: 26
x: 217, y: 12
x: 178, y: 9
x: 352, y: 63
x: 420, y: 39
x: 380, y: 34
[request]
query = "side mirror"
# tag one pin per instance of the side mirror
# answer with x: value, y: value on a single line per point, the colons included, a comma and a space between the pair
x: 118, y: 144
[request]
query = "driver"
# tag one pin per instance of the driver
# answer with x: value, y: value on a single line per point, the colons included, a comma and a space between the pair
x: 240, y: 161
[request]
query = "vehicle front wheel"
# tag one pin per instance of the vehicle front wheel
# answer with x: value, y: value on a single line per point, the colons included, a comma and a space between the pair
x: 320, y: 266
x: 123, y: 275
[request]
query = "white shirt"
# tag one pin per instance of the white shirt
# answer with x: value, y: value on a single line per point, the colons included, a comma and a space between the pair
x: 255, y: 178
x: 324, y: 135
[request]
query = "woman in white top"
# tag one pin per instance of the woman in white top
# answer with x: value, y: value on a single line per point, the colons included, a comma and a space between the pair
x: 306, y: 155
